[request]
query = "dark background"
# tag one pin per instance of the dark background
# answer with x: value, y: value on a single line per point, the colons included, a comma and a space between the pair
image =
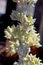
x: 5, y: 19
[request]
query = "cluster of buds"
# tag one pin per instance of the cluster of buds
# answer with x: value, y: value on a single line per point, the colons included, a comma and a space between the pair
x: 23, y: 36
x: 31, y: 60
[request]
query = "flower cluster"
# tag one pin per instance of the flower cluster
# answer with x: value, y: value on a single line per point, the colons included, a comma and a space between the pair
x: 23, y: 36
x: 31, y: 60
x: 25, y: 31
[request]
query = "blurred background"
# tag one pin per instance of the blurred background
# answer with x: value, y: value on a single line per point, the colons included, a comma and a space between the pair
x: 6, y: 7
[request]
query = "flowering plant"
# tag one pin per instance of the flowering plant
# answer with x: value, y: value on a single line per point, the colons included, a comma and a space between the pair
x: 23, y: 36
